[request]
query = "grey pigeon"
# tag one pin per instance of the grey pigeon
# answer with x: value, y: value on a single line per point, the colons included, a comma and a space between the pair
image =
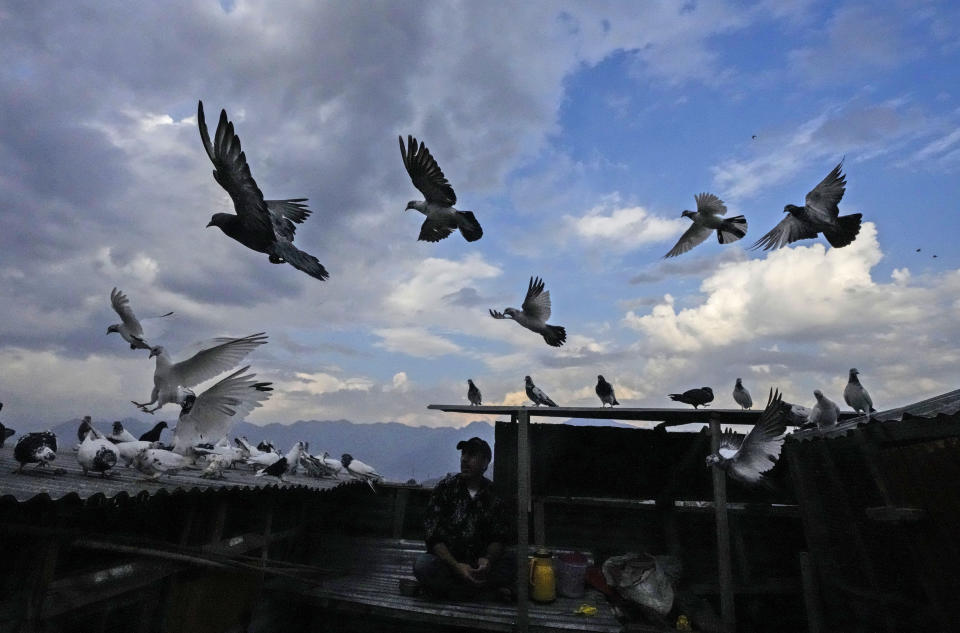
x: 266, y: 226
x: 747, y: 460
x: 534, y: 313
x: 818, y: 215
x: 825, y: 412
x: 605, y: 392
x: 473, y: 394
x: 129, y: 328
x: 798, y: 415
x: 706, y: 219
x: 442, y: 218
x: 741, y: 396
x: 856, y: 396
x: 536, y: 394
x: 695, y: 397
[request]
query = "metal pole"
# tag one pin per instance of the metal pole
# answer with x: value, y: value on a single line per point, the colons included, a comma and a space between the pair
x: 724, y: 562
x: 522, y: 418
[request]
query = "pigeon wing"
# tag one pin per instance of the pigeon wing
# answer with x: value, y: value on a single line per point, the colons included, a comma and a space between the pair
x: 207, y: 363
x: 122, y: 307
x: 286, y: 214
x: 761, y: 447
x: 789, y: 230
x: 536, y: 304
x: 426, y: 174
x: 696, y: 234
x: 822, y: 201
x: 710, y: 203
x: 433, y: 231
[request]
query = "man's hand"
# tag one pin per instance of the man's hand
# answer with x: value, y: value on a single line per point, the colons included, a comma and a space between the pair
x: 483, y: 568
x: 469, y: 574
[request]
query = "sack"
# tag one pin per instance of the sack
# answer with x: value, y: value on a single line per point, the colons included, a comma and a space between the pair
x: 644, y: 579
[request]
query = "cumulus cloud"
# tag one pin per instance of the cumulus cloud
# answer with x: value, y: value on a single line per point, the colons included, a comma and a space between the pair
x: 624, y: 228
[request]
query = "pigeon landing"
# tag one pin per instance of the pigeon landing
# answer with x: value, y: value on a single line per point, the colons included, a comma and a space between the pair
x: 534, y: 313
x: 442, y: 219
x: 536, y: 394
x: 818, y: 215
x: 706, y: 219
x: 266, y: 226
x: 605, y: 392
x: 129, y: 328
x: 741, y: 396
x: 695, y: 397
x: 825, y: 412
x: 747, y: 460
x: 38, y: 448
x: 473, y: 394
x: 856, y: 396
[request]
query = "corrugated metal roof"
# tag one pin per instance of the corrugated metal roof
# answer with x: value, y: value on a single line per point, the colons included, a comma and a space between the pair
x: 33, y: 481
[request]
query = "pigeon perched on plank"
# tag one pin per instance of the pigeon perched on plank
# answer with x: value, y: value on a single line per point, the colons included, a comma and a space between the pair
x: 120, y: 434
x: 746, y: 460
x: 473, y: 393
x: 534, y: 313
x: 819, y: 214
x: 359, y: 470
x: 741, y: 396
x: 825, y: 412
x: 153, y: 435
x: 155, y: 462
x: 266, y: 226
x: 97, y: 453
x: 696, y: 397
x: 605, y: 392
x: 129, y: 328
x: 442, y: 218
x: 536, y: 394
x: 856, y: 396
x: 277, y: 469
x: 128, y: 450
x: 706, y: 219
x: 39, y: 447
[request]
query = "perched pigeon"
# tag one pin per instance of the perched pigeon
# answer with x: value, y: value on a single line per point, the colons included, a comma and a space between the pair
x: 442, y: 219
x: 266, y: 447
x: 120, y: 434
x: 333, y: 464
x: 536, y: 394
x: 825, y: 412
x: 215, y: 466
x: 818, y: 215
x: 534, y: 313
x: 747, y: 460
x: 153, y: 435
x: 128, y: 450
x: 224, y: 452
x: 277, y: 469
x: 207, y: 418
x: 856, y: 396
x: 706, y: 219
x: 359, y: 470
x: 85, y: 426
x: 741, y: 396
x: 155, y: 462
x: 172, y: 381
x: 5, y: 432
x: 266, y: 226
x: 130, y: 328
x: 316, y: 466
x: 605, y: 392
x: 97, y: 453
x: 695, y: 397
x: 473, y: 394
x: 38, y: 448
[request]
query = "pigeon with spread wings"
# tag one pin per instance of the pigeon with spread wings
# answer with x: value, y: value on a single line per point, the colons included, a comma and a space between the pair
x: 534, y: 313
x: 748, y: 458
x: 266, y: 226
x: 819, y: 214
x: 442, y: 218
x: 129, y: 327
x: 706, y: 219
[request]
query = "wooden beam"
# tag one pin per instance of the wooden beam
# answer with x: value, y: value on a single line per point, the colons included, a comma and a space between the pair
x: 724, y: 562
x: 522, y: 419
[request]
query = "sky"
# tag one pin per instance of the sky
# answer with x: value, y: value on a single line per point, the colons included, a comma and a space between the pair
x: 576, y: 132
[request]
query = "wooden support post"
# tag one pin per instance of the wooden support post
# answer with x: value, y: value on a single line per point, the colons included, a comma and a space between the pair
x: 400, y: 511
x: 811, y: 594
x: 724, y: 562
x: 522, y: 418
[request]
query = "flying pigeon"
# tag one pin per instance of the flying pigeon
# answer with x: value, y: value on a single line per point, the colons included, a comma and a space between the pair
x: 818, y: 215
x: 172, y: 381
x: 856, y: 396
x: 97, y: 453
x: 825, y: 412
x: 536, y: 394
x: 741, y: 396
x: 276, y: 469
x: 696, y: 397
x: 155, y: 462
x: 38, y: 448
x: 129, y: 328
x: 359, y: 470
x: 442, y: 218
x: 534, y: 313
x: 207, y: 418
x: 153, y: 435
x: 706, y: 219
x: 747, y: 460
x: 266, y: 226
x: 120, y: 434
x: 473, y: 394
x: 605, y: 392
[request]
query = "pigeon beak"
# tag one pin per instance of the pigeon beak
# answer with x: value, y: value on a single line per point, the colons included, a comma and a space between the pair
x: 209, y: 224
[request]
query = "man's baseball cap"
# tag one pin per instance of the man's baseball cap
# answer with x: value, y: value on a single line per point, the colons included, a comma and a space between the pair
x: 475, y: 446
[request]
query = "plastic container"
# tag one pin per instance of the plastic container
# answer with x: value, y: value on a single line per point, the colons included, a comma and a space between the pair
x: 572, y: 574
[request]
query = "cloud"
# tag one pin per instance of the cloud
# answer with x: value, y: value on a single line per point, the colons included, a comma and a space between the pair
x: 415, y: 341
x: 623, y: 228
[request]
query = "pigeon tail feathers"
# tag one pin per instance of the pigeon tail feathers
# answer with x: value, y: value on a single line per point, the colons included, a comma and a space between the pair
x: 732, y: 229
x: 469, y: 226
x: 848, y: 228
x: 300, y: 260
x: 555, y: 335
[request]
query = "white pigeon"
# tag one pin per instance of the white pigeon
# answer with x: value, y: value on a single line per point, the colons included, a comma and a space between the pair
x: 97, y: 453
x: 825, y: 412
x: 244, y: 444
x: 155, y: 462
x: 746, y: 460
x: 263, y: 458
x: 129, y: 328
x: 293, y: 457
x: 223, y: 449
x: 706, y: 219
x: 215, y: 465
x: 128, y: 450
x: 207, y: 418
x: 856, y: 396
x: 534, y: 313
x: 741, y: 396
x: 361, y: 471
x: 333, y: 464
x: 536, y: 394
x: 172, y: 381
x: 120, y: 434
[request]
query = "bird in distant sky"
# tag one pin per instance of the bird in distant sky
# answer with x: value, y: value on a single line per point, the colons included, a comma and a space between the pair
x: 39, y: 447
x: 534, y: 313
x: 819, y: 214
x: 129, y: 328
x: 442, y: 218
x: 741, y: 396
x: 605, y: 392
x: 746, y: 460
x: 706, y: 219
x: 266, y: 226
x: 172, y: 381
x: 695, y: 397
x: 855, y: 394
x: 473, y: 393
x: 120, y: 434
x: 825, y: 412
x: 536, y: 394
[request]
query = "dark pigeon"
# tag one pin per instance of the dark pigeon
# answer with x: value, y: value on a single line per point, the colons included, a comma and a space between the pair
x: 38, y: 448
x: 695, y: 397
x: 473, y: 394
x: 534, y: 313
x: 276, y: 469
x: 536, y: 394
x: 5, y: 432
x: 605, y: 392
x: 153, y: 435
